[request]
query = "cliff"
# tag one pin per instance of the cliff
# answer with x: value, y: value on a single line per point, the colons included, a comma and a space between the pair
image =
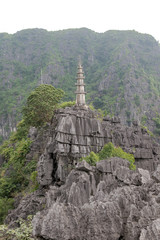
x: 76, y: 132
x: 77, y: 201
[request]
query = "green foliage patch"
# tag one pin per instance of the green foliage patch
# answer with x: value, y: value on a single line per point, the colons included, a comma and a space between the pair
x: 16, y: 173
x: 23, y: 232
x: 92, y: 158
x: 66, y: 104
x: 143, y: 119
x: 40, y: 105
x: 100, y: 113
x: 148, y: 131
x: 5, y: 205
x: 157, y: 122
x: 109, y: 150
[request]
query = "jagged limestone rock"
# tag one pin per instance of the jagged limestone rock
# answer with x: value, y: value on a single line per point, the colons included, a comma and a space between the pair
x: 152, y: 231
x: 109, y: 203
x: 84, y: 166
x: 145, y: 175
x: 45, y: 168
x: 156, y: 174
x: 75, y: 132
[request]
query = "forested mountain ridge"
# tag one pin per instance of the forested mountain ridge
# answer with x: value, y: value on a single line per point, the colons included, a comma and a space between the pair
x: 122, y: 70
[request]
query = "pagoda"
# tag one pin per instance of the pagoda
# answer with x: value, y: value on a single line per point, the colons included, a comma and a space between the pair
x: 80, y: 93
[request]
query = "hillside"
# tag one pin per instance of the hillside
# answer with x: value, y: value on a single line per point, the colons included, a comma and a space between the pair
x: 122, y: 70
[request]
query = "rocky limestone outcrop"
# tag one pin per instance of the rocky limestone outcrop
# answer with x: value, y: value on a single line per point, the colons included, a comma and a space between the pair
x: 108, y: 202
x: 79, y: 201
x: 75, y: 132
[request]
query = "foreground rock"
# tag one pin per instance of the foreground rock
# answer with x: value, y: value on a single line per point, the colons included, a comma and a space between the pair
x: 108, y: 202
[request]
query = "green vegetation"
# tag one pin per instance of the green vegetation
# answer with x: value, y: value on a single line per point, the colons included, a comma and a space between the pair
x: 157, y: 122
x: 16, y: 175
x: 148, y: 131
x: 137, y: 100
x: 110, y: 151
x: 66, y: 104
x: 5, y: 204
x: 23, y: 232
x: 100, y: 113
x: 92, y: 158
x: 40, y: 105
x: 1, y: 139
x: 143, y: 119
x: 115, y: 62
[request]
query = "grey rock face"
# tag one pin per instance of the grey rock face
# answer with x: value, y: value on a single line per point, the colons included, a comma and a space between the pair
x: 156, y: 174
x: 45, y: 168
x: 152, y: 232
x: 84, y: 166
x: 145, y: 175
x: 29, y: 205
x: 75, y: 132
x: 108, y: 202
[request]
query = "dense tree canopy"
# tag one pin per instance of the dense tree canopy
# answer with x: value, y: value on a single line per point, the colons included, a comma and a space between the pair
x: 40, y: 105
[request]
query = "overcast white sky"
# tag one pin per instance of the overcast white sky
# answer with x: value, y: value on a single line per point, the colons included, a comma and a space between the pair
x: 98, y: 15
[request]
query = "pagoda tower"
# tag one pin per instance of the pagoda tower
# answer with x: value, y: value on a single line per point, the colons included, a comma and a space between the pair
x: 80, y: 93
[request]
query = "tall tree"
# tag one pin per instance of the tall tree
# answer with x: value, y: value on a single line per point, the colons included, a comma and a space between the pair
x: 40, y: 105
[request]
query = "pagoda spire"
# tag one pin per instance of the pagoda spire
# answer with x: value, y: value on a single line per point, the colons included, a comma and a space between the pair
x: 80, y: 93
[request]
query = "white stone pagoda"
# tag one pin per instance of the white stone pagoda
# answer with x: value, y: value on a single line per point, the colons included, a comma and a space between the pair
x: 80, y: 93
